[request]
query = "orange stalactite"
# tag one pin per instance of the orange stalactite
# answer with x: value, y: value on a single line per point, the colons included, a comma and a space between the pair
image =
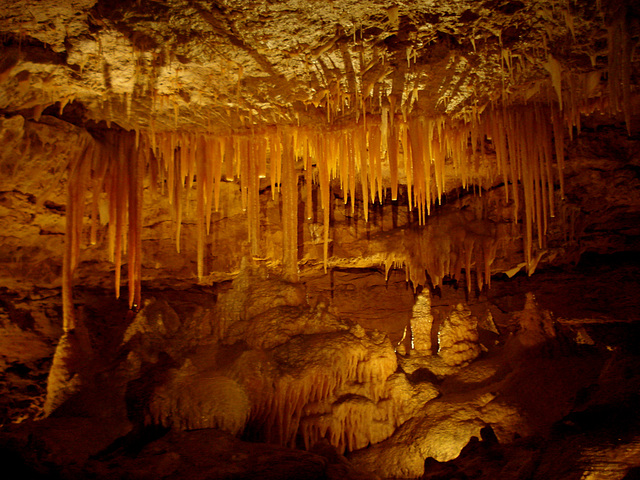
x: 136, y: 164
x: 432, y: 149
x: 202, y: 197
x: 408, y: 170
x: 122, y: 193
x: 376, y: 163
x: 289, y: 210
x: 421, y: 178
x: 363, y: 167
x: 392, y: 150
x: 274, y: 146
x: 325, y: 196
x: 351, y: 151
x: 242, y: 170
x: 308, y: 176
x: 178, y: 185
x: 277, y: 158
x: 558, y: 140
x: 112, y: 194
x: 79, y: 175
x: 253, y: 196
x: 207, y: 157
x: 343, y: 164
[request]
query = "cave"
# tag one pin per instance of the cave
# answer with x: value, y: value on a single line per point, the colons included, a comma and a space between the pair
x: 301, y: 239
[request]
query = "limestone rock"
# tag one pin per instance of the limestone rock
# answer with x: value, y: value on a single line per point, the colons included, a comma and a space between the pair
x: 458, y: 337
x: 321, y: 368
x: 73, y: 353
x: 252, y: 293
x: 409, y: 398
x: 440, y: 432
x: 280, y: 324
x: 216, y: 455
x: 421, y: 323
x: 156, y: 319
x: 536, y: 326
x: 192, y: 399
x: 434, y: 364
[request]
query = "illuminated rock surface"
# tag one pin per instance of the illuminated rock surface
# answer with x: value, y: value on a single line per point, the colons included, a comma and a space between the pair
x: 301, y: 239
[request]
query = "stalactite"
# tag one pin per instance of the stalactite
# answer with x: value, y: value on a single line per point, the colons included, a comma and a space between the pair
x: 421, y: 176
x: 392, y: 149
x: 375, y: 138
x: 252, y: 161
x: 363, y: 167
x: 136, y: 164
x: 79, y: 172
x: 203, y: 192
x: 178, y: 182
x: 408, y: 167
x: 121, y: 191
x: 351, y: 151
x: 554, y: 68
x: 619, y: 63
x: 308, y: 175
x: 210, y: 155
x: 325, y: 197
x: 433, y: 150
x: 558, y: 140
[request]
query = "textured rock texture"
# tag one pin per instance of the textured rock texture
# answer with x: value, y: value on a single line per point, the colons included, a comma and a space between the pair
x: 188, y: 63
x: 458, y: 337
x: 377, y: 168
x: 421, y: 324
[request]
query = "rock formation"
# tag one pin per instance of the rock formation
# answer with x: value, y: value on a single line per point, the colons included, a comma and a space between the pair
x: 458, y: 337
x: 218, y: 219
x: 421, y: 324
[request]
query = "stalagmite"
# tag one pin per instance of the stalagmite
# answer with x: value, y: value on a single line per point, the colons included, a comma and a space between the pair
x: 421, y: 322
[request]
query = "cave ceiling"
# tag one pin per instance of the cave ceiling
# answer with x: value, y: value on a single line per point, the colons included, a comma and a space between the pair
x: 236, y: 64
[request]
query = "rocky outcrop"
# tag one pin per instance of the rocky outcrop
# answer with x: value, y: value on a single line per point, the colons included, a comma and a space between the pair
x: 441, y: 431
x: 458, y: 337
x: 191, y: 399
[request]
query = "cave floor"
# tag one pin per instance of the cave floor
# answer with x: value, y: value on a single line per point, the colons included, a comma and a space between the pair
x: 596, y: 309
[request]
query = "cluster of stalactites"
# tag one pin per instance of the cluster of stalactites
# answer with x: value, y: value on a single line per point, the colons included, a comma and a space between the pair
x: 366, y: 159
x: 113, y: 171
x: 423, y: 151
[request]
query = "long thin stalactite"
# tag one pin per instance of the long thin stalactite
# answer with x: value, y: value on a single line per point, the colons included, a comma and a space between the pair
x: 365, y: 158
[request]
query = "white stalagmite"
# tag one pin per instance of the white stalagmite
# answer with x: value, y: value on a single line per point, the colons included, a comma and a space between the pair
x: 421, y: 323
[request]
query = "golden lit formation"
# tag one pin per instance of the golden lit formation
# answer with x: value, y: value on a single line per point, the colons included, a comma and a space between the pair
x: 364, y: 159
